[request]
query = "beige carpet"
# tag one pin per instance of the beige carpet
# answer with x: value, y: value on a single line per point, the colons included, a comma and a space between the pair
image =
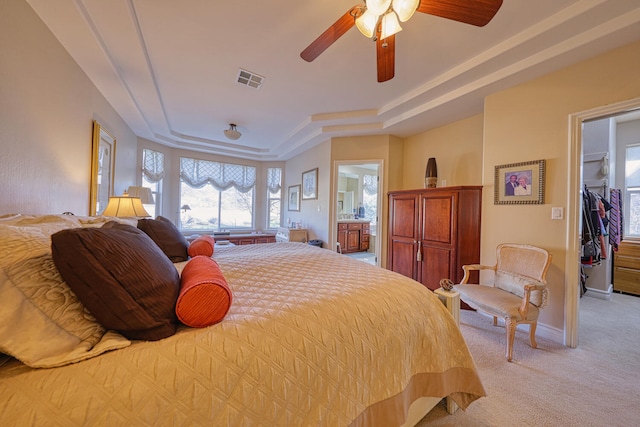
x: 596, y: 384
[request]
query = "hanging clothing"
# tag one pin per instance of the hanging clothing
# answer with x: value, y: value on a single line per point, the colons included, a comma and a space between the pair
x: 615, y: 218
x: 592, y: 247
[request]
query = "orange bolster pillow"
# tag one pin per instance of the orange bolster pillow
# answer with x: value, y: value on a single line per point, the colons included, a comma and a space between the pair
x: 202, y: 245
x: 205, y: 296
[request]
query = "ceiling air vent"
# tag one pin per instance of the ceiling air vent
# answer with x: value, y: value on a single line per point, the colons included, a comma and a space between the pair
x: 247, y: 78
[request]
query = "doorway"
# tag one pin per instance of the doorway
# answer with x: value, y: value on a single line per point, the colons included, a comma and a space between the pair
x: 357, y: 208
x: 574, y: 225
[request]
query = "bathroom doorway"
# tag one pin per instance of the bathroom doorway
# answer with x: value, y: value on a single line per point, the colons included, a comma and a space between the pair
x: 357, y: 212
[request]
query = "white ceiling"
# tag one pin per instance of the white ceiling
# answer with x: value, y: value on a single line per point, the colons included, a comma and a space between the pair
x: 169, y: 67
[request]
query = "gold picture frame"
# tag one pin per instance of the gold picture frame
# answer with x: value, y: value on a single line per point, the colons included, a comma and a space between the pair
x: 103, y: 157
x: 520, y: 183
x: 310, y: 184
x: 294, y: 197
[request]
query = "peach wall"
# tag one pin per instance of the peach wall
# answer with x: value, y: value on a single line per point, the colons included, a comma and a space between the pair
x: 457, y: 148
x: 47, y: 105
x: 386, y: 148
x: 530, y: 122
x: 313, y: 214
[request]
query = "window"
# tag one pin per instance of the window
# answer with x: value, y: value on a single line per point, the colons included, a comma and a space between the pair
x: 152, y: 175
x: 632, y: 191
x: 216, y: 196
x: 274, y: 197
x: 370, y: 200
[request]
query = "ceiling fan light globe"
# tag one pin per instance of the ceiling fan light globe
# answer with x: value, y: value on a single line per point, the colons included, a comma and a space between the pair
x: 378, y: 7
x: 366, y: 23
x: 390, y: 25
x: 405, y: 8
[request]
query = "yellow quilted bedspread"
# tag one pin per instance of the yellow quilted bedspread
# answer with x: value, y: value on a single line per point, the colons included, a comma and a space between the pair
x: 312, y: 339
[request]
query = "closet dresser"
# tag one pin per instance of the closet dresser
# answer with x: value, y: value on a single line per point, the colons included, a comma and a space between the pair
x: 626, y: 267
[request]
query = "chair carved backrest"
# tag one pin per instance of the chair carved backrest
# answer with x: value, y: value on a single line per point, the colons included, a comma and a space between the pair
x: 519, y: 265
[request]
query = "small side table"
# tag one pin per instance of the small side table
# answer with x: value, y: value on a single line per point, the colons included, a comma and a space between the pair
x: 451, y: 300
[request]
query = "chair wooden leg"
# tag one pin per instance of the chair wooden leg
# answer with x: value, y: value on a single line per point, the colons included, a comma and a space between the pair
x: 510, y: 325
x: 495, y: 321
x: 532, y: 334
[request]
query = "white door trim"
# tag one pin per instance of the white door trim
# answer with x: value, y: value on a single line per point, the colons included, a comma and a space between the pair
x: 572, y: 263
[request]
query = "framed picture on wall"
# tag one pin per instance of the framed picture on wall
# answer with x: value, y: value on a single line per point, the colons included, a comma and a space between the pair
x: 103, y: 157
x: 520, y: 183
x: 294, y: 198
x: 310, y: 184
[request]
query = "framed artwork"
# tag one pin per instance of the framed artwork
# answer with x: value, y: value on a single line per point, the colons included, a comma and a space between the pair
x: 103, y: 157
x: 310, y: 184
x: 294, y: 198
x: 520, y: 183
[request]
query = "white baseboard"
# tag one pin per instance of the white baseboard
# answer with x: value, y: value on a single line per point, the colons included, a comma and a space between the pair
x: 542, y: 330
x: 599, y: 293
x: 548, y: 332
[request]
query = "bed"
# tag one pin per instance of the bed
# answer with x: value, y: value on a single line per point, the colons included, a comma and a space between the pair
x: 311, y: 338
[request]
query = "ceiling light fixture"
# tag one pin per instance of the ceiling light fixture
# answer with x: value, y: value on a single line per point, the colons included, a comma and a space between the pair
x: 232, y: 132
x: 390, y: 12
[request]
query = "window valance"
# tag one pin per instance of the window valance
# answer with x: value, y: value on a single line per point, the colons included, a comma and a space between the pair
x: 152, y: 165
x: 222, y: 176
x: 274, y: 179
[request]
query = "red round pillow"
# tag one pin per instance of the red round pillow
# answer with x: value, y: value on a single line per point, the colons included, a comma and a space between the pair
x: 205, y: 296
x: 202, y: 245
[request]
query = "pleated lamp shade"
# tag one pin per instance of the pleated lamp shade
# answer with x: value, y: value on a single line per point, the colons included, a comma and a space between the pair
x: 124, y: 206
x: 144, y: 193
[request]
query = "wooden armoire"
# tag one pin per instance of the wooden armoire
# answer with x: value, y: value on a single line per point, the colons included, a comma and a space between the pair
x: 433, y: 232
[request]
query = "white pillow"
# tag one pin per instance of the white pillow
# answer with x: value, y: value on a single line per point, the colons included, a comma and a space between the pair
x: 42, y: 323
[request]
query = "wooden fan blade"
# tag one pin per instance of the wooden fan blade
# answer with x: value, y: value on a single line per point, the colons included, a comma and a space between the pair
x: 333, y: 33
x: 386, y: 55
x: 474, y: 12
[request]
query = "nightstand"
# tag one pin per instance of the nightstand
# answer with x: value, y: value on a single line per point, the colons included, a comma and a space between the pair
x: 292, y: 235
x: 451, y: 300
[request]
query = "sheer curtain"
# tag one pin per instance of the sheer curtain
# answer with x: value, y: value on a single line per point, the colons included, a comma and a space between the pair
x: 370, y: 184
x: 152, y: 165
x: 274, y: 179
x: 222, y: 176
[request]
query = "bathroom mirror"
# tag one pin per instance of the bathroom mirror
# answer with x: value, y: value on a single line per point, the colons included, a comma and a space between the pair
x: 103, y: 155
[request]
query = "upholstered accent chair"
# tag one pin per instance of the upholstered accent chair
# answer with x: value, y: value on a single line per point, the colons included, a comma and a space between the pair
x: 518, y: 290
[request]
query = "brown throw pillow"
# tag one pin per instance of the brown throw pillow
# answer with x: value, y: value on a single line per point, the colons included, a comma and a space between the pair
x: 167, y: 237
x: 122, y: 277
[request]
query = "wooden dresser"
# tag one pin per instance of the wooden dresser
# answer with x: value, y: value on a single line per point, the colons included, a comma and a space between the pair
x: 626, y: 268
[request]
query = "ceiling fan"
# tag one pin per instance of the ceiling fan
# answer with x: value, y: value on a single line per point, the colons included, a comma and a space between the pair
x: 379, y: 20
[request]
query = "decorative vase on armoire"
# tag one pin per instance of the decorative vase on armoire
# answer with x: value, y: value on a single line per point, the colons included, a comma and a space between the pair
x: 431, y: 174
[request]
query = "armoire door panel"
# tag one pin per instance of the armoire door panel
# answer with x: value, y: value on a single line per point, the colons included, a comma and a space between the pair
x: 402, y: 257
x: 404, y: 217
x: 436, y: 265
x: 438, y: 218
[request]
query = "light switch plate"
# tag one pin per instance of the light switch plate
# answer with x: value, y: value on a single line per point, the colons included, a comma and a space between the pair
x: 557, y: 213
